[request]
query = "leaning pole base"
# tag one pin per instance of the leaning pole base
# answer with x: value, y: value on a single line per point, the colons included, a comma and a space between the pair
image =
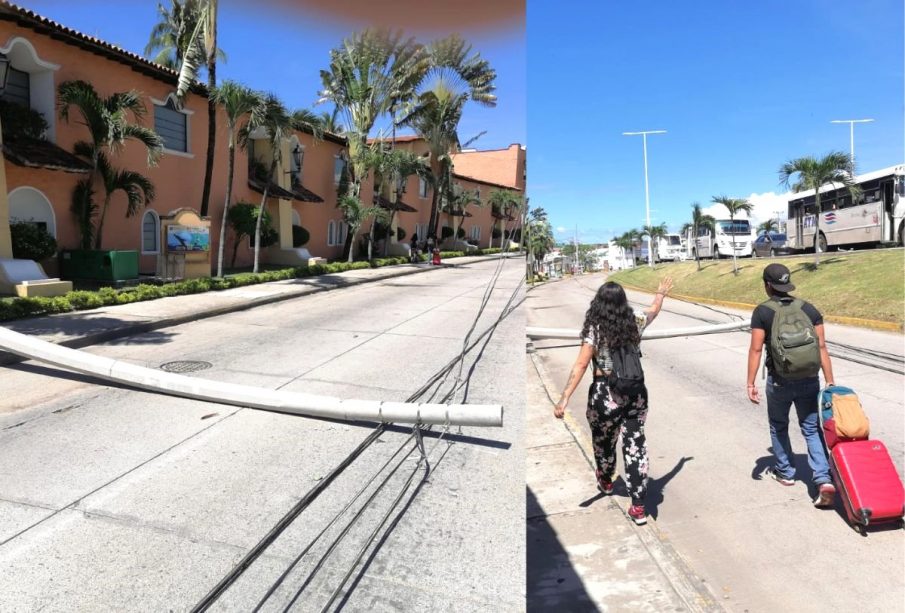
x: 247, y: 396
x: 565, y: 333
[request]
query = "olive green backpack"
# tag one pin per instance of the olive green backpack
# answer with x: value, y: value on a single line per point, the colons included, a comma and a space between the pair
x: 793, y: 340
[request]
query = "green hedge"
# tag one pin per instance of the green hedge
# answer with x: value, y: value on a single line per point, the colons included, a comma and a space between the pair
x: 17, y: 308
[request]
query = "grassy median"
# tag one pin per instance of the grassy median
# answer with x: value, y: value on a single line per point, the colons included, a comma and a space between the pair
x: 865, y: 285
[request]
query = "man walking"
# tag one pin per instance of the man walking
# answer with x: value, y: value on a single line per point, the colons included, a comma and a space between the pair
x: 793, y: 333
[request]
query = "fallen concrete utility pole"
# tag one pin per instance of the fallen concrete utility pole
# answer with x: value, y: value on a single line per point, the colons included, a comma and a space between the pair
x: 247, y: 396
x: 565, y: 333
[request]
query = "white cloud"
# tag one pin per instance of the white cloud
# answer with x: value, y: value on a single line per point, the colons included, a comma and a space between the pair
x: 766, y: 206
x: 561, y: 230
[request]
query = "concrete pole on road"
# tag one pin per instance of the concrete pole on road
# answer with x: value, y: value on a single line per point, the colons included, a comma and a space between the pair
x: 643, y: 134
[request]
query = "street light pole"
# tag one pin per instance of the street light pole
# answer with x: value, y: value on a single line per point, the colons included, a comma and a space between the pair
x: 643, y: 134
x: 851, y: 123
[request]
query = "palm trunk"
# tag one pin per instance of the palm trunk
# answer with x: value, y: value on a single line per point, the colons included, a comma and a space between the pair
x: 273, y: 167
x: 211, y: 122
x: 229, y: 193
x: 386, y: 241
x: 817, y: 228
x: 235, y: 250
x: 98, y: 237
x: 350, y: 240
x: 371, y: 235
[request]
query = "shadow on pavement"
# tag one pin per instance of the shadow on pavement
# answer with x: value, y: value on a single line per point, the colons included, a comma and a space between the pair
x: 553, y: 584
x: 655, y: 487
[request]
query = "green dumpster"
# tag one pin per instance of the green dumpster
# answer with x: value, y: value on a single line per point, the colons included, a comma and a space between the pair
x: 78, y: 264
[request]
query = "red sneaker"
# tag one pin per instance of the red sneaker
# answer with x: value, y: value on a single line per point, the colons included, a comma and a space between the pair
x: 636, y: 512
x: 606, y: 487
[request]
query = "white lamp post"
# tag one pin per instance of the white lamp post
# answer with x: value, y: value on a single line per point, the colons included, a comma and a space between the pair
x: 851, y: 123
x: 643, y: 134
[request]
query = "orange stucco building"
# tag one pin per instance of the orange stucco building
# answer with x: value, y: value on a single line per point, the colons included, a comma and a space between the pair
x: 41, y: 176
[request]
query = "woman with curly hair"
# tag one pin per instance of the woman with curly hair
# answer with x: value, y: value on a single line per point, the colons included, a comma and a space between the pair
x: 611, y: 325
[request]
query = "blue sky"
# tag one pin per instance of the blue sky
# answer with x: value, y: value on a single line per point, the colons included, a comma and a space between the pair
x: 250, y: 32
x: 740, y: 87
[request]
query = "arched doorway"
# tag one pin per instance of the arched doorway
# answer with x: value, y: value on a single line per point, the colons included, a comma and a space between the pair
x: 29, y: 205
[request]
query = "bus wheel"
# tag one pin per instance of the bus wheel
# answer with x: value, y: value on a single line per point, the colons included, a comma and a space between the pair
x: 902, y: 234
x: 820, y: 242
x: 772, y: 253
x: 716, y: 252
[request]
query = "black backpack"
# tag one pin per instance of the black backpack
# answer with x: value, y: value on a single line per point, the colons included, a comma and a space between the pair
x: 627, y: 376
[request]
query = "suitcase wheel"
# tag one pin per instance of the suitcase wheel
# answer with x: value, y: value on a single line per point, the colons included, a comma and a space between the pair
x: 860, y: 529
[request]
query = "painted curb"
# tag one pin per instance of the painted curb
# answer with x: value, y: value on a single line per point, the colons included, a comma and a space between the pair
x: 874, y: 324
x: 8, y: 359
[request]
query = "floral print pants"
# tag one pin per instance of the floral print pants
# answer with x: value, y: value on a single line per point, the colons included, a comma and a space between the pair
x: 610, y: 415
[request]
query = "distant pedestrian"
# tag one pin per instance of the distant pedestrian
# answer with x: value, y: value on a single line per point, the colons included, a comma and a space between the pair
x: 617, y: 399
x: 792, y: 331
x: 435, y: 256
x: 414, y: 256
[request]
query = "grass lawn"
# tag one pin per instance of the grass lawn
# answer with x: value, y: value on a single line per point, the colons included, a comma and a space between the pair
x: 867, y: 284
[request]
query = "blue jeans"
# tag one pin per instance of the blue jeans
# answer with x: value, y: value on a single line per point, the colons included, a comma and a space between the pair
x: 780, y: 397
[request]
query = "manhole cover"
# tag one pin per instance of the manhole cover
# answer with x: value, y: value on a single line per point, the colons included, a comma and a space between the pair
x: 185, y: 366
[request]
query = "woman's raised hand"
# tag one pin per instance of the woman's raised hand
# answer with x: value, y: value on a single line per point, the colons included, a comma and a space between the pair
x: 665, y: 286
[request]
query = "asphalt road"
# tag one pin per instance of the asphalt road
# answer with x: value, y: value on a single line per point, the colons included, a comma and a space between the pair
x: 119, y: 500
x: 760, y: 546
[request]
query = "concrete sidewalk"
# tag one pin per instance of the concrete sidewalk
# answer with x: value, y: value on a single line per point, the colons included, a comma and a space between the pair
x: 90, y: 327
x: 584, y: 553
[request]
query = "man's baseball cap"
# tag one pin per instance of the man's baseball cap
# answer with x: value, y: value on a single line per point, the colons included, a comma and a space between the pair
x: 779, y: 277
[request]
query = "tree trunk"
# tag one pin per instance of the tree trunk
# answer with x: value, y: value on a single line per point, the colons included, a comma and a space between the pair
x: 98, y: 237
x: 273, y: 167
x: 386, y: 241
x: 371, y: 235
x: 435, y: 200
x: 211, y: 124
x: 235, y: 250
x: 817, y: 228
x: 229, y: 192
x: 353, y: 230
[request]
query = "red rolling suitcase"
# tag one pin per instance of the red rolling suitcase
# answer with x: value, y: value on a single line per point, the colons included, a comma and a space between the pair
x: 868, y: 482
x: 865, y: 475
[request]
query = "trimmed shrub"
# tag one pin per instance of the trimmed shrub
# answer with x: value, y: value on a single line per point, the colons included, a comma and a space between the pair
x: 300, y: 236
x: 400, y: 233
x: 31, y: 242
x: 496, y: 233
x: 445, y: 232
x: 460, y: 233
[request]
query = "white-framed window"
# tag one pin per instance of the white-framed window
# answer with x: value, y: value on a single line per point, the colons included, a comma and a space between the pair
x: 172, y: 125
x: 150, y: 233
x: 342, y: 233
x: 30, y: 205
x: 31, y: 81
x: 422, y: 187
x: 339, y: 165
x: 331, y: 233
x: 476, y: 233
x: 18, y: 88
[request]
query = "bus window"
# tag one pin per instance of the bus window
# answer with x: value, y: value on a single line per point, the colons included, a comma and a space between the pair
x: 828, y: 205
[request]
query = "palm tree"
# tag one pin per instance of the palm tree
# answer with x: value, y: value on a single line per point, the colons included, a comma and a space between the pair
x: 734, y: 206
x: 170, y: 36
x: 771, y: 225
x: 653, y: 235
x: 238, y: 102
x: 330, y: 123
x: 355, y: 214
x: 392, y: 167
x: 813, y: 173
x: 277, y: 123
x: 107, y: 120
x: 504, y: 203
x: 627, y: 242
x: 455, y: 75
x: 138, y: 189
x: 202, y: 50
x: 458, y: 202
x: 366, y: 73
x: 698, y: 220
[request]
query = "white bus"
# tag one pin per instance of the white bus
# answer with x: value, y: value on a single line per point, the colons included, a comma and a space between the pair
x: 875, y: 216
x: 728, y: 233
